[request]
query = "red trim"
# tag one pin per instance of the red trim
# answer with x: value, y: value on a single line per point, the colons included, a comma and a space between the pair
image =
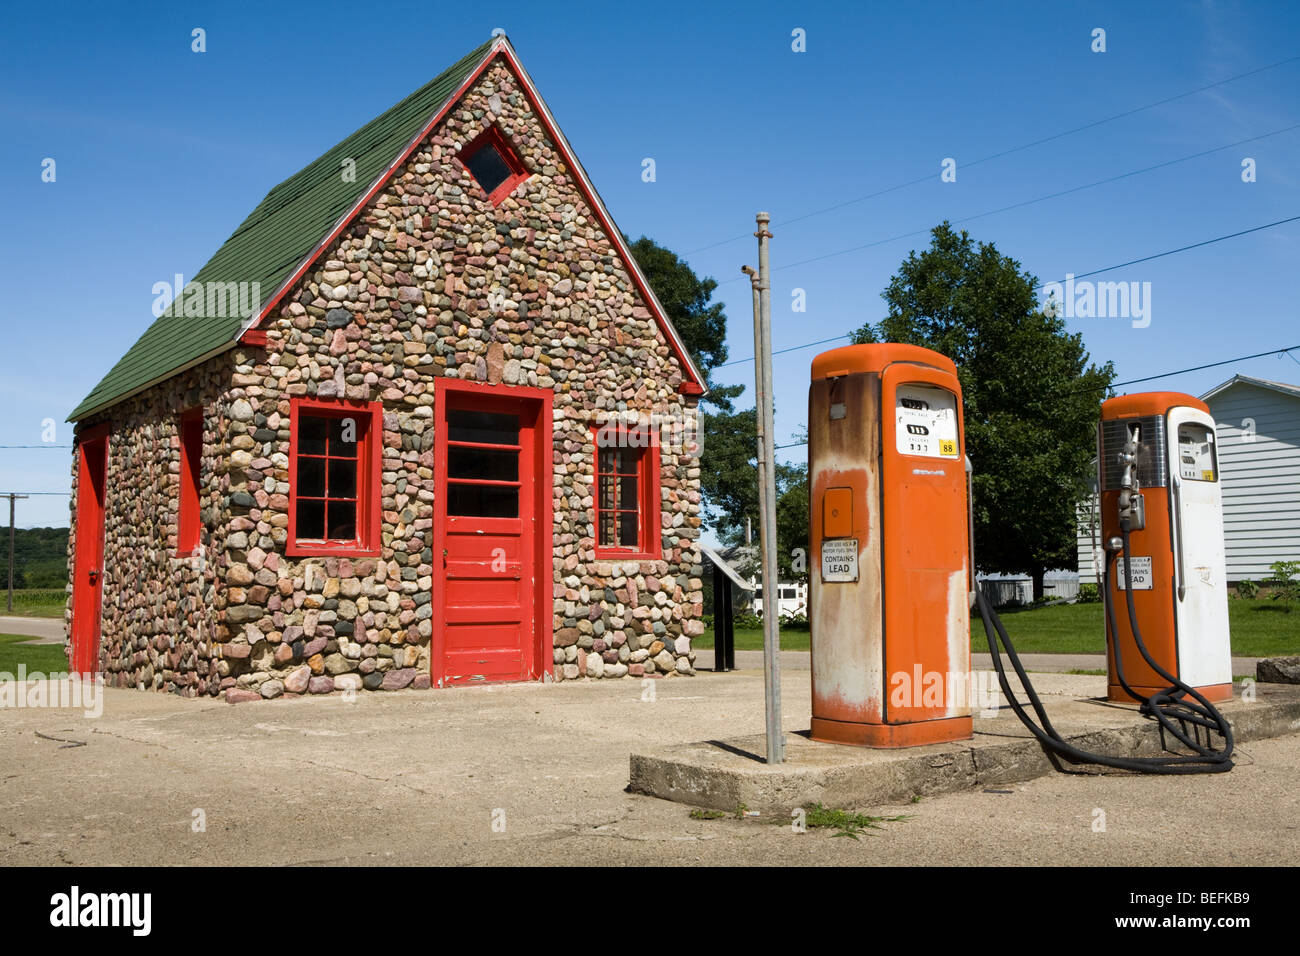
x: 561, y: 144
x: 543, y: 514
x: 187, y: 505
x: 370, y: 442
x: 690, y: 388
x: 492, y: 136
x: 88, y: 554
x: 254, y: 337
x: 649, y: 520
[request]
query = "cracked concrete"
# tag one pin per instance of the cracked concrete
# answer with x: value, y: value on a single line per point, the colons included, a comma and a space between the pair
x: 416, y: 778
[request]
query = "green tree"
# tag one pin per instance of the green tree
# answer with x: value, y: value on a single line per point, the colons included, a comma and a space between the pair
x: 686, y: 298
x: 792, y: 520
x: 727, y: 472
x: 1032, y: 397
x: 729, y: 468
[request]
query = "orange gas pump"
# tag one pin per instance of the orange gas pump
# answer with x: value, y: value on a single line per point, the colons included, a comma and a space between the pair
x: 891, y: 581
x: 1157, y: 467
x: 1158, y: 480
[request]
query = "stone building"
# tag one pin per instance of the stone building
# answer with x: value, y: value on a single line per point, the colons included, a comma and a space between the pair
x: 420, y: 421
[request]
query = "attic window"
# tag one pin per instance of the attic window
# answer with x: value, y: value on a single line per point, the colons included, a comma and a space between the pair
x: 494, y: 164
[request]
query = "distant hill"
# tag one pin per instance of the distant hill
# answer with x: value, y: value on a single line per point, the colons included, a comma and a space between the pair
x: 40, y: 557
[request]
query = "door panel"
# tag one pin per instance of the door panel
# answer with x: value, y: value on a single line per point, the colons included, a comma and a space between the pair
x: 88, y: 558
x: 925, y: 547
x: 1201, y: 611
x: 485, y: 510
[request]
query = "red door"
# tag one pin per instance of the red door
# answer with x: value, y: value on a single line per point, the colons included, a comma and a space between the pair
x: 88, y: 559
x: 486, y: 607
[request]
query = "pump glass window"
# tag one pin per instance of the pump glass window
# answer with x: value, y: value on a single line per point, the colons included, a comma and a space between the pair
x: 925, y: 421
x: 1196, y: 457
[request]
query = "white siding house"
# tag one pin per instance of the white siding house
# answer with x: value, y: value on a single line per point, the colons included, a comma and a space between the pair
x: 1259, y: 463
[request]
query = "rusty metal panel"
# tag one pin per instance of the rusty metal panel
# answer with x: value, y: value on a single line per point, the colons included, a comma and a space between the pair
x: 847, y: 661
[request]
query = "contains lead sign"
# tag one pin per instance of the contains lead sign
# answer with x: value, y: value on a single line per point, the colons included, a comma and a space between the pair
x: 840, y: 559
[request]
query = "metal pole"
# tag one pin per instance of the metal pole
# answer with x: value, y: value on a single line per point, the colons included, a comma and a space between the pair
x: 10, y: 606
x: 767, y: 494
x: 12, y: 497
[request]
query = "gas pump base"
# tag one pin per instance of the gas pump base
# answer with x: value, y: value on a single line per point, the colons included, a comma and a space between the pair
x: 894, y: 735
x: 1214, y: 693
x: 721, y: 773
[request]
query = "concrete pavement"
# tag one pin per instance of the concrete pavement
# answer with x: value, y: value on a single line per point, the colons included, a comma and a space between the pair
x: 422, y: 777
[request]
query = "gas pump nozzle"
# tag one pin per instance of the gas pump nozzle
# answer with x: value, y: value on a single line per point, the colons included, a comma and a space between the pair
x: 1132, y: 506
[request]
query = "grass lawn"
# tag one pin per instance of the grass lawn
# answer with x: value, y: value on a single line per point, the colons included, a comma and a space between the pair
x: 46, y: 659
x: 1260, y: 628
x: 42, y: 602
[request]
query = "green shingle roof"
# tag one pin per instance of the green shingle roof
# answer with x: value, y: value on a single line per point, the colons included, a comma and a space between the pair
x: 277, y: 236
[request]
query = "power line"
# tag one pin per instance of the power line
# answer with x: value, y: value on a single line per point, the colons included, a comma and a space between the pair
x: 1029, y: 202
x: 36, y: 446
x: 1195, y: 245
x: 1195, y: 368
x: 1149, y: 378
x: 929, y: 177
x: 1158, y: 255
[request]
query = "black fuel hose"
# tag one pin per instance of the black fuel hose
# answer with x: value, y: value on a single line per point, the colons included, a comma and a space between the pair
x: 1168, y: 706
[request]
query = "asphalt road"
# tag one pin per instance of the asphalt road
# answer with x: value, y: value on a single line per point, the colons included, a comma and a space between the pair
x: 45, y: 630
x: 536, y: 773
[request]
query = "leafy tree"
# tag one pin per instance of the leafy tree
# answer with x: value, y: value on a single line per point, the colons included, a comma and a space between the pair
x: 701, y: 323
x: 1283, y: 582
x: 792, y: 520
x: 729, y: 468
x: 1032, y: 398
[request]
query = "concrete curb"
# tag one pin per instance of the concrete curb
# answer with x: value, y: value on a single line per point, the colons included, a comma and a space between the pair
x: 723, y: 774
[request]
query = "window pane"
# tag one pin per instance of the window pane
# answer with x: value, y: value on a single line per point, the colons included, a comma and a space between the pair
x: 608, y: 501
x: 490, y: 428
x: 484, y: 464
x: 628, y: 460
x: 627, y: 493
x: 606, y: 539
x: 627, y: 529
x: 311, y: 477
x: 483, y: 501
x: 608, y: 461
x: 343, y: 478
x: 311, y: 520
x: 345, y: 433
x: 488, y: 167
x: 342, y: 520
x: 311, y: 434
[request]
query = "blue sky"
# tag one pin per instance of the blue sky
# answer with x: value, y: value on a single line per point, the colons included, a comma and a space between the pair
x: 161, y: 152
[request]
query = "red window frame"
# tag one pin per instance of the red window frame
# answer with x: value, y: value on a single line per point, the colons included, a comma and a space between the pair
x: 649, y: 520
x: 518, y: 173
x: 190, y: 427
x: 370, y: 425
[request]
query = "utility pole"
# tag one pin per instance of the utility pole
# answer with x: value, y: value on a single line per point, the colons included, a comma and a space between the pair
x: 762, y: 290
x: 12, y: 497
